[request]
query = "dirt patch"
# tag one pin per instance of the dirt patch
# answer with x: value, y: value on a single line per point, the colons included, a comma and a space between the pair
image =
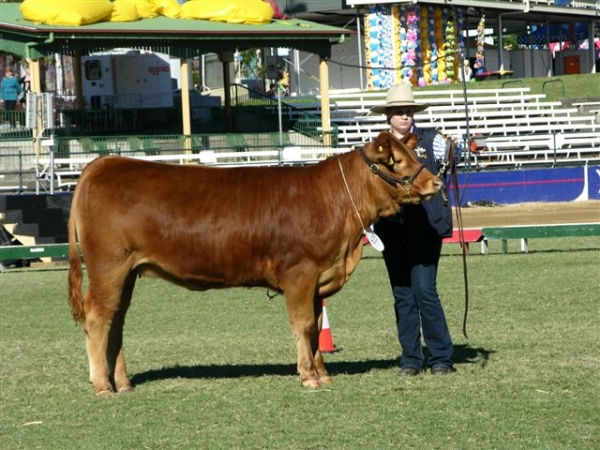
x: 530, y: 214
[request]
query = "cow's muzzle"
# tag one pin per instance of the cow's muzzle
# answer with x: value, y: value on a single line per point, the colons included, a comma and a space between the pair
x: 406, y: 182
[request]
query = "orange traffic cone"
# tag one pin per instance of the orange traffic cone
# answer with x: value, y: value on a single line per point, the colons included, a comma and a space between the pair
x: 325, y: 339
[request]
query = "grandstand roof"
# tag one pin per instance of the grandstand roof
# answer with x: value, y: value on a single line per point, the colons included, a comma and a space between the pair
x: 184, y: 38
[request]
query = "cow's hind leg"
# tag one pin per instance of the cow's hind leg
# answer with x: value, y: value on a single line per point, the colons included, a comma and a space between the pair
x: 117, y: 368
x: 299, y: 298
x: 97, y: 327
x: 104, y: 316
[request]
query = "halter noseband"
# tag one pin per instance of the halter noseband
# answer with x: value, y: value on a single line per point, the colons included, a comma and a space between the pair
x: 405, y: 182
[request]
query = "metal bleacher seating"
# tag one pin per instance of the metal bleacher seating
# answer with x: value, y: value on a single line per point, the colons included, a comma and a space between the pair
x: 519, y: 128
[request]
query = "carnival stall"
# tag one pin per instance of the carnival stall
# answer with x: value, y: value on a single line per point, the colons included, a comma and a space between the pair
x: 421, y: 45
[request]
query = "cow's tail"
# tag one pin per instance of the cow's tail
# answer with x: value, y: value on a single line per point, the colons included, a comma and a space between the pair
x: 75, y: 272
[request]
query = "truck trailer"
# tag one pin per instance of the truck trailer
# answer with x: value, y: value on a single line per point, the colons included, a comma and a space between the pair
x: 128, y: 79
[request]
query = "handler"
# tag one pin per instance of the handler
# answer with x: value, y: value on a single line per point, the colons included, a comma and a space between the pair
x: 413, y: 244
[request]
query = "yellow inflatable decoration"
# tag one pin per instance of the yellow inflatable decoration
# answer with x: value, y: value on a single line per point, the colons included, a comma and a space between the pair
x: 254, y: 12
x: 66, y: 12
x: 146, y: 9
x: 130, y: 10
x: 124, y: 11
x: 78, y: 12
x: 168, y: 8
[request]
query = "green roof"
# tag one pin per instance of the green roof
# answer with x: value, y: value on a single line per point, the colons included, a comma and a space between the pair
x: 184, y: 38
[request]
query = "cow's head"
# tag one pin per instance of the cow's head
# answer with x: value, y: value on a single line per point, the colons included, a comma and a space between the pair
x: 395, y: 162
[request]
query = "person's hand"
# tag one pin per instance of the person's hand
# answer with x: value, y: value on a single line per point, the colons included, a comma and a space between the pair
x: 456, y: 140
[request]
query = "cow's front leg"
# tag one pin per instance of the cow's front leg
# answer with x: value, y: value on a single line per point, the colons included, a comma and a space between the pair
x: 324, y: 377
x: 299, y: 302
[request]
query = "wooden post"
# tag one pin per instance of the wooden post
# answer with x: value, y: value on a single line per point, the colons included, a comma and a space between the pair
x: 77, y: 75
x: 185, y: 106
x: 325, y: 112
x: 35, y: 74
x: 226, y: 58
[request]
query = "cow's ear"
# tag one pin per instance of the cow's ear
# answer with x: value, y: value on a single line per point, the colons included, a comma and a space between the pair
x: 402, y: 149
x: 411, y: 140
x: 380, y: 151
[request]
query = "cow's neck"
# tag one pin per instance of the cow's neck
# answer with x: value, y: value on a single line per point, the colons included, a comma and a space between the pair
x: 359, y: 189
x: 349, y: 192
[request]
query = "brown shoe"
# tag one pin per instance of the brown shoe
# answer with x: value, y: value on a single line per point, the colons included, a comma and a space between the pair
x: 408, y: 372
x: 441, y: 370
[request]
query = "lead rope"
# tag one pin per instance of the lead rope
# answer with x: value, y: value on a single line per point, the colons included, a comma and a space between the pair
x: 457, y: 196
x: 352, y: 199
x: 373, y: 239
x: 461, y: 234
x: 450, y: 162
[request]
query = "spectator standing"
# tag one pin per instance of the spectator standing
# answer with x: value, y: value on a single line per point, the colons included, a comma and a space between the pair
x: 25, y: 82
x: 413, y: 244
x: 9, y: 93
x: 467, y: 71
x: 272, y: 92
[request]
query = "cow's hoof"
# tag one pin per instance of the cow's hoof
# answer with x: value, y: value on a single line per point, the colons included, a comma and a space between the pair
x: 125, y: 389
x: 104, y: 393
x: 326, y: 380
x: 313, y: 384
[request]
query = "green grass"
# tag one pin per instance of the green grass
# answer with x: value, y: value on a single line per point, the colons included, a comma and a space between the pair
x: 215, y: 370
x: 582, y: 86
x: 557, y: 88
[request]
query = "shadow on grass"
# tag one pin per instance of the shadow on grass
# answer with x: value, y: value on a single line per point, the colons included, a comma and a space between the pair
x: 463, y: 354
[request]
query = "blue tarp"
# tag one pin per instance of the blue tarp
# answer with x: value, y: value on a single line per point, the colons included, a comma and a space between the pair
x: 561, y: 184
x: 558, y: 33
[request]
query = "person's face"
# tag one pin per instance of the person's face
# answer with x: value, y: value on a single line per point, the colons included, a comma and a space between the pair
x: 401, y: 119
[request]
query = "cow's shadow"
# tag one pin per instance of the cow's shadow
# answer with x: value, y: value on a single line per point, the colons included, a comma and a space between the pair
x: 463, y: 354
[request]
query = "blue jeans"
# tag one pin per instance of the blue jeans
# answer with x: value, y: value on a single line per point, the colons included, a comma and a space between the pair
x: 412, y: 265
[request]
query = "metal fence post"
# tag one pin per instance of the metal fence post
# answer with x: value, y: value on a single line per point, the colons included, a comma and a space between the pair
x: 20, y: 171
x: 51, y: 171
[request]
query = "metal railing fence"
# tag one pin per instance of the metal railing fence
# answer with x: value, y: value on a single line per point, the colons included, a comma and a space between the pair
x: 21, y: 167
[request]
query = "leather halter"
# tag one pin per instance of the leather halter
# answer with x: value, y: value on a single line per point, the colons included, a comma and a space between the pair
x: 405, y: 182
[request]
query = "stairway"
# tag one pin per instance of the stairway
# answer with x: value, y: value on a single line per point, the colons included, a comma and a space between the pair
x: 35, y: 219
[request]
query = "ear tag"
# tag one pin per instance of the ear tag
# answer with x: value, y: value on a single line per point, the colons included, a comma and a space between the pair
x: 374, y: 240
x: 380, y: 149
x: 392, y: 162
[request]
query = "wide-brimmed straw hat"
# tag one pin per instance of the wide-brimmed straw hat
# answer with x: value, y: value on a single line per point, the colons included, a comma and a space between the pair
x: 398, y: 96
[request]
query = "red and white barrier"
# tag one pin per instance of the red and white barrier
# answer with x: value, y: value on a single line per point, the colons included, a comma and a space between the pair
x: 325, y: 339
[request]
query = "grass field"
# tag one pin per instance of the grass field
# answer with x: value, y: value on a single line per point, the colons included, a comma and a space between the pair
x: 215, y: 370
x: 563, y: 87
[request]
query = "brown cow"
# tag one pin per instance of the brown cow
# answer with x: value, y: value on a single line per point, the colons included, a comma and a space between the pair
x: 295, y: 230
